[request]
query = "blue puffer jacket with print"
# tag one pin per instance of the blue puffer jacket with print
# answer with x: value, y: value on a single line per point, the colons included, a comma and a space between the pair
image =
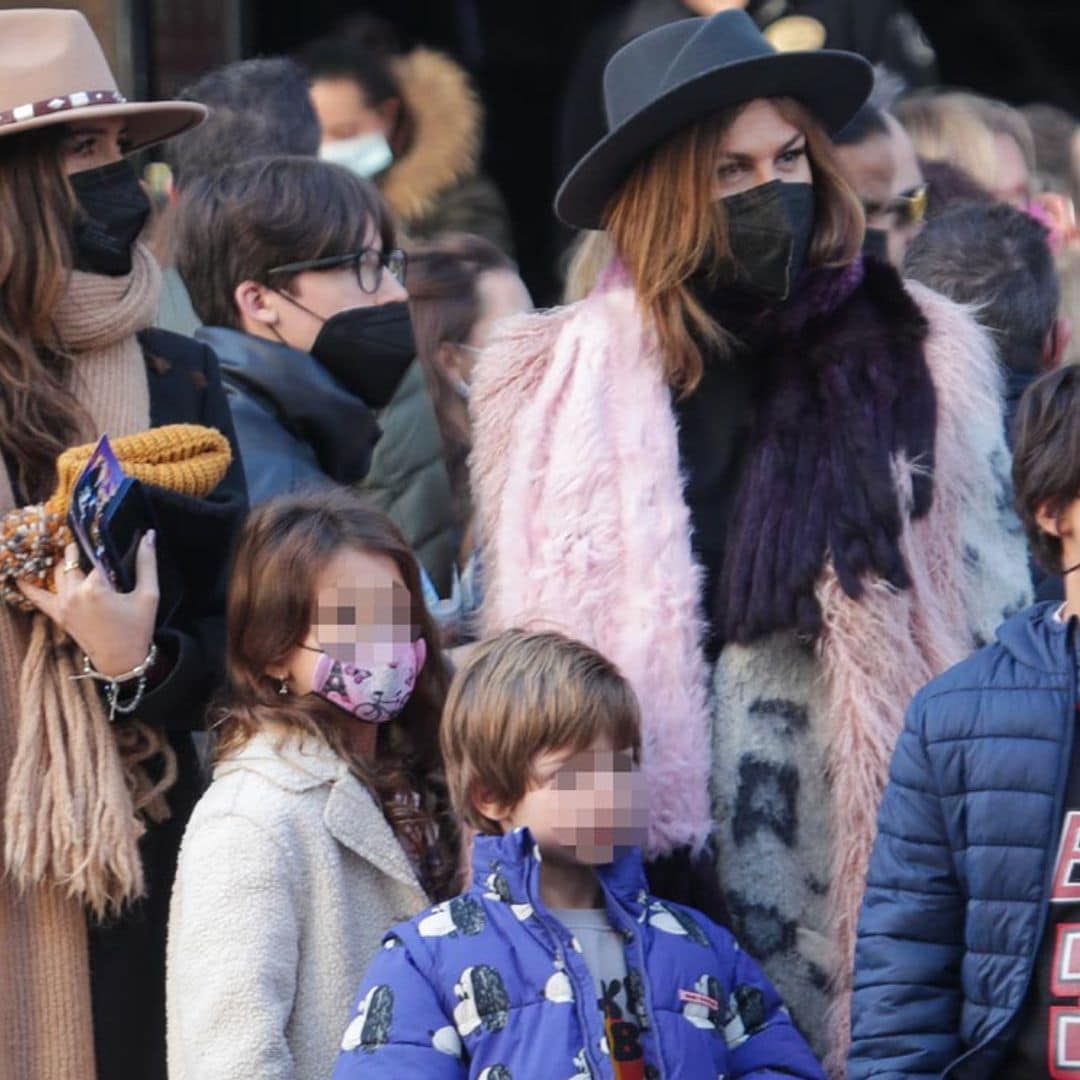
x: 492, y: 986
x: 956, y: 895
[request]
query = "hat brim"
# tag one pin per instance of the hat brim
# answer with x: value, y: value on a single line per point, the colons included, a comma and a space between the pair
x: 830, y: 83
x: 147, y: 122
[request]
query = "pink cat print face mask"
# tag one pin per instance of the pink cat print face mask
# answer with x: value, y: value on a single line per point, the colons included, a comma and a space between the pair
x: 371, y: 691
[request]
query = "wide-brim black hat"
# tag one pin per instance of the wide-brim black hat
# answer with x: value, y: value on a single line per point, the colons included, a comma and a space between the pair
x: 678, y: 73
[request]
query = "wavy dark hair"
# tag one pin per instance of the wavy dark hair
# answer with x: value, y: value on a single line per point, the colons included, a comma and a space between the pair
x: 40, y: 417
x: 272, y: 594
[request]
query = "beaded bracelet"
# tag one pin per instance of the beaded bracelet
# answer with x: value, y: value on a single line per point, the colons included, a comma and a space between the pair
x: 113, y: 683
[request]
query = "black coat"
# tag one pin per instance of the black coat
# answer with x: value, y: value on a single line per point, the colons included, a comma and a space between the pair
x: 127, y: 956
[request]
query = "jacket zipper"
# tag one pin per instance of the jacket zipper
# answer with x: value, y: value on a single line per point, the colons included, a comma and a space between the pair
x: 595, y: 1066
x: 636, y: 935
x: 1059, y: 806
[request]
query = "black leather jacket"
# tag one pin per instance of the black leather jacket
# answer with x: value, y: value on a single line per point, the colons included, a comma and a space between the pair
x: 298, y: 427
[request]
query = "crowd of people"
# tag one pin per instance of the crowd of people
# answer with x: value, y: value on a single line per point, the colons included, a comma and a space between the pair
x: 680, y: 681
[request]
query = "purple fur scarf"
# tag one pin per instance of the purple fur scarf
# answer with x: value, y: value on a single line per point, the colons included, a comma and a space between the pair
x: 845, y: 391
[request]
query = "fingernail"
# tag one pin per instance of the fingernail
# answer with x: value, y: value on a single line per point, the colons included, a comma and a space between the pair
x: 151, y: 537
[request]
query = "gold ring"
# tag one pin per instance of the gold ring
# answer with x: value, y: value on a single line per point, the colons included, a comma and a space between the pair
x: 69, y: 566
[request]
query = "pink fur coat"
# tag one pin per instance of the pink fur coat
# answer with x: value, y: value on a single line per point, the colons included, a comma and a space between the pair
x: 575, y: 474
x: 584, y: 528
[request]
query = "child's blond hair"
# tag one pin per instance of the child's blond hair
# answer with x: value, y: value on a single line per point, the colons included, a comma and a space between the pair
x: 520, y: 695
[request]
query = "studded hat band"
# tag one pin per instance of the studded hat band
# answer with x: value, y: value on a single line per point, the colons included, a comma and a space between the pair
x: 79, y: 99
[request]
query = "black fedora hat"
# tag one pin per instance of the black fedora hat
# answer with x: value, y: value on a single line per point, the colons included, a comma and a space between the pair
x: 671, y: 76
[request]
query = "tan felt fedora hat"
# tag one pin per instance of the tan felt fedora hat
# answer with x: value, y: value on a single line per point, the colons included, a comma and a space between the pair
x: 52, y: 71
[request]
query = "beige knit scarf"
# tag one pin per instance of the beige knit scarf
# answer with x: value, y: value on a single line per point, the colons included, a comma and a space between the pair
x: 65, y: 785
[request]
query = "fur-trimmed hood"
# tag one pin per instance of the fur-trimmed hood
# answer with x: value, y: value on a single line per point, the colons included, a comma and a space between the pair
x: 447, y: 132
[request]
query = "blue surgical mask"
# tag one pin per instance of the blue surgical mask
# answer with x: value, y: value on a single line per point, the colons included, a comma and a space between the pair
x: 365, y: 155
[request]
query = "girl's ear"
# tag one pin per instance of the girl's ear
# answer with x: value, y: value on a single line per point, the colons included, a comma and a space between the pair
x: 1050, y: 523
x: 279, y: 670
x: 449, y: 361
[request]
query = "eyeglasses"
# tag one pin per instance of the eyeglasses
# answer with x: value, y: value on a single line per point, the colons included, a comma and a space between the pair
x: 368, y: 265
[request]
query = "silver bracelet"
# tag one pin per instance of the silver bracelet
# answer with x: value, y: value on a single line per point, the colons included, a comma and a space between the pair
x: 113, y: 683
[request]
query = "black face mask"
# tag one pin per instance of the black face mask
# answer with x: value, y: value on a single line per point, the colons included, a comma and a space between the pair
x: 876, y: 244
x: 114, y: 212
x: 769, y: 231
x: 368, y: 349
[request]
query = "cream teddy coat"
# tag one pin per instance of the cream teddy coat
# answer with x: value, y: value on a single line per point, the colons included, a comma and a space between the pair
x: 288, y: 877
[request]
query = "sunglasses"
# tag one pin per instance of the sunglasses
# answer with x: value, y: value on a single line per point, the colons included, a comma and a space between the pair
x: 368, y: 265
x: 909, y: 207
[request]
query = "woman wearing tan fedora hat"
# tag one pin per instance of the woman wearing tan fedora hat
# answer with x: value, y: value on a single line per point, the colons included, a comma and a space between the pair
x: 759, y: 472
x: 100, y: 687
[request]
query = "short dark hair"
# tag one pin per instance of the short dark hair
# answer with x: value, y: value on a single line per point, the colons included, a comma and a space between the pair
x: 258, y: 108
x: 997, y: 258
x: 1046, y: 457
x: 370, y: 69
x: 371, y: 32
x: 238, y: 224
x: 865, y: 124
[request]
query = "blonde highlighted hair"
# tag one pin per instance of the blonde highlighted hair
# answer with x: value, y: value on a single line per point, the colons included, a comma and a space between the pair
x: 951, y: 127
x: 521, y: 695
x: 666, y: 225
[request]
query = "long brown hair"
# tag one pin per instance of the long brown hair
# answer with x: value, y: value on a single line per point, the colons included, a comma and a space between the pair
x: 39, y: 415
x: 284, y: 545
x: 444, y: 303
x: 666, y: 225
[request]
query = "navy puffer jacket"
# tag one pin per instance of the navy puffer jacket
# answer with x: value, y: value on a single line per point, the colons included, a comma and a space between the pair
x: 955, y: 903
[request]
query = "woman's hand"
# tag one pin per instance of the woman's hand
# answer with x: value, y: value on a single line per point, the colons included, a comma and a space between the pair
x: 114, y: 629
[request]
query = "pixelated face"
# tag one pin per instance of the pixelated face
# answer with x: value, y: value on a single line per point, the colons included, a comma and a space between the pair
x: 362, y: 610
x: 588, y: 806
x: 360, y: 624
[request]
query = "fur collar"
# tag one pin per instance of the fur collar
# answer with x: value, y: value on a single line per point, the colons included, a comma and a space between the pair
x: 447, y: 123
x: 575, y: 472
